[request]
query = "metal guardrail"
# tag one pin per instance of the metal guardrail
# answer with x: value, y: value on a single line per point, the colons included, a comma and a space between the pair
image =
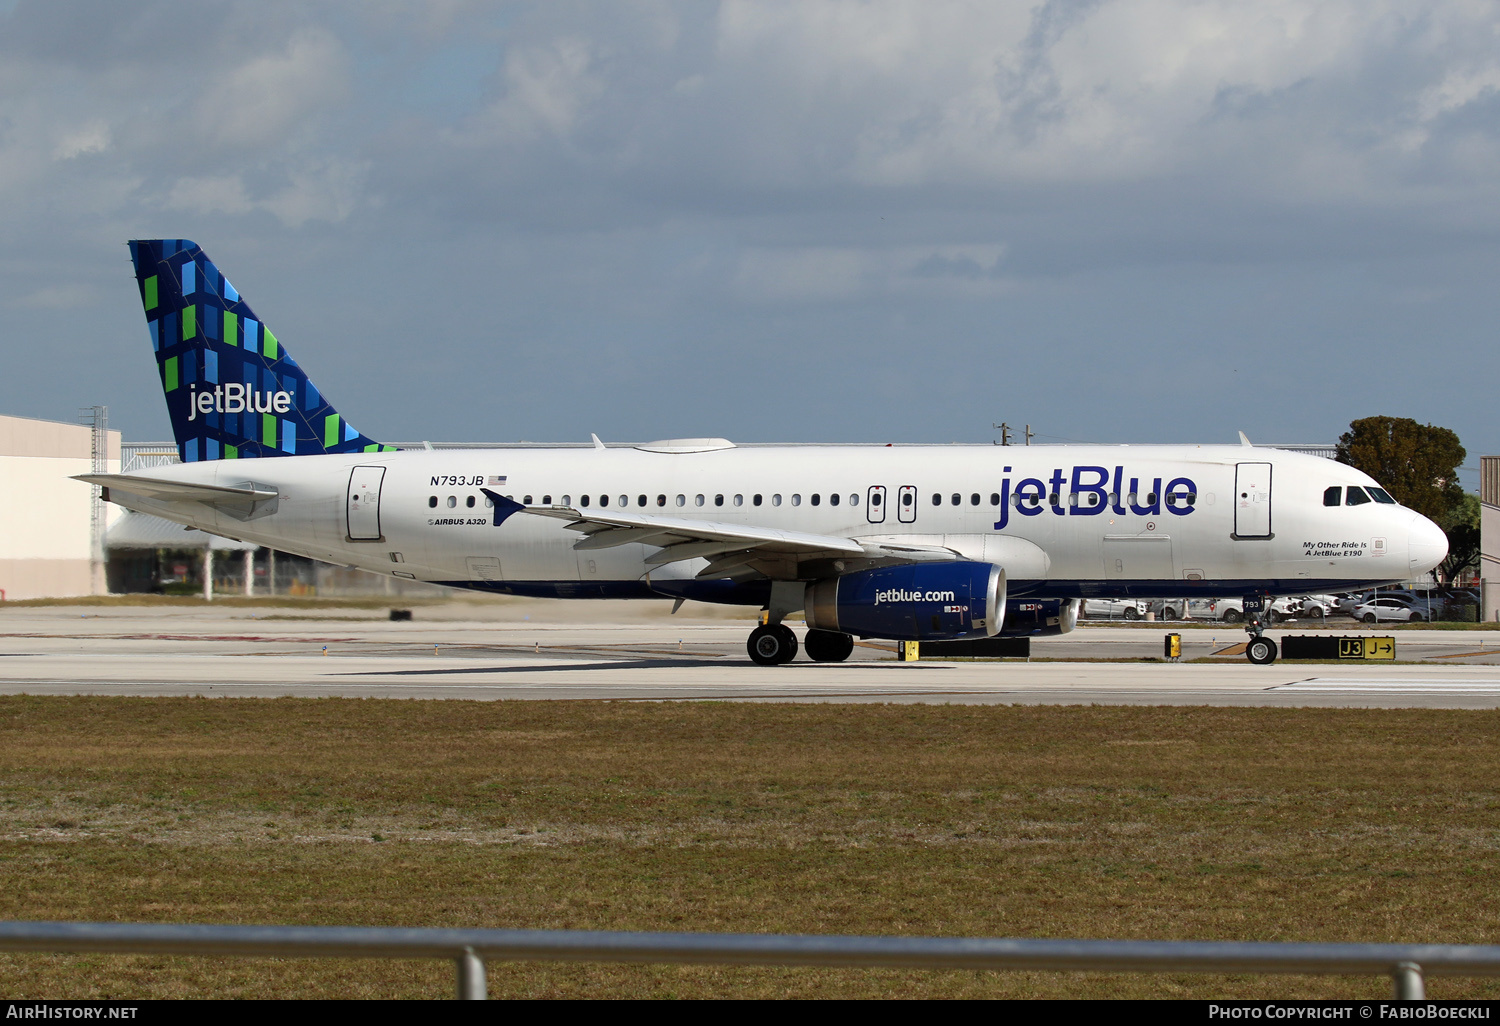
x: 1405, y: 964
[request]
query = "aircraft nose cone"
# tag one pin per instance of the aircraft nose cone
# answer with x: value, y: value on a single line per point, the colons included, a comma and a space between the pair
x: 1427, y: 545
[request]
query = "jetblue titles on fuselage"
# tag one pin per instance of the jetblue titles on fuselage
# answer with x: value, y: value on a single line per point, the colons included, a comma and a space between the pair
x: 1088, y: 491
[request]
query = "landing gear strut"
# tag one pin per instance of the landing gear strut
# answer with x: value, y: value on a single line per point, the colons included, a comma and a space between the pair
x: 1260, y: 649
x: 772, y: 644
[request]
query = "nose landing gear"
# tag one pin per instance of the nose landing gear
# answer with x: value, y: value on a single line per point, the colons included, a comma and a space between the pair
x: 1260, y: 649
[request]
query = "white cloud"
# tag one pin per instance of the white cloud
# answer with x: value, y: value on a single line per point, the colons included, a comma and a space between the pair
x: 271, y: 97
x: 546, y: 88
x: 837, y: 273
x: 91, y: 138
x: 217, y: 194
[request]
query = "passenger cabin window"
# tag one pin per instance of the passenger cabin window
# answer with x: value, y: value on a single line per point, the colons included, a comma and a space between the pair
x: 957, y: 498
x: 1355, y: 496
x: 796, y: 499
x: 718, y: 500
x: 697, y: 500
x: 525, y: 499
x: 776, y: 499
x: 584, y: 499
x: 682, y: 500
x: 739, y: 500
x: 567, y: 500
x: 452, y: 501
x: 854, y: 498
x: 432, y: 501
x: 833, y: 500
x: 604, y: 500
x: 1333, y: 496
x: 469, y: 502
x: 995, y: 498
x: 756, y: 499
x: 1381, y: 495
x: 640, y: 500
x: 816, y: 498
x: 661, y: 500
x: 546, y: 500
x: 937, y: 500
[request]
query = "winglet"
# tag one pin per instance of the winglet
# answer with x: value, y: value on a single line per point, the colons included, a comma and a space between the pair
x: 1244, y: 439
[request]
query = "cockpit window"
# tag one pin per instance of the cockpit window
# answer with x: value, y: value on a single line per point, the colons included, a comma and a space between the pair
x: 1356, y: 497
x: 1381, y: 495
x: 1333, y: 496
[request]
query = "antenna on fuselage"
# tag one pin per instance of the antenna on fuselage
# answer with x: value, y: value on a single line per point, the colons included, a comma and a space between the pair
x: 597, y: 444
x: 1245, y: 439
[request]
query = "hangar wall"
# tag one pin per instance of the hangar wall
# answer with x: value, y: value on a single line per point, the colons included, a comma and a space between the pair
x: 45, y: 528
x: 1489, y: 535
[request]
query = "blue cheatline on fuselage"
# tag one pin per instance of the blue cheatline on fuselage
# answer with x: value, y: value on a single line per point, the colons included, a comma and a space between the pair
x: 232, y: 390
x: 729, y: 592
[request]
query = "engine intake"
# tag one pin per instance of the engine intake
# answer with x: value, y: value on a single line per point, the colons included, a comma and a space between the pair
x: 911, y: 602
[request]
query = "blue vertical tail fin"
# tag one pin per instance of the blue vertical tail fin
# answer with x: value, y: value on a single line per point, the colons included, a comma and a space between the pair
x: 232, y: 391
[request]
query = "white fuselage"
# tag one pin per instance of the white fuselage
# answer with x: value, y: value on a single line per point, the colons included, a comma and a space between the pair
x: 1127, y: 520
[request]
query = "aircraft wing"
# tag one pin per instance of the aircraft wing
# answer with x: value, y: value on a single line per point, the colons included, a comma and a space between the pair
x: 688, y: 538
x: 180, y: 491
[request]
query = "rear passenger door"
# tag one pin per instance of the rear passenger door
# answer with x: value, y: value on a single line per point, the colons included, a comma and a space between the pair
x: 362, y: 509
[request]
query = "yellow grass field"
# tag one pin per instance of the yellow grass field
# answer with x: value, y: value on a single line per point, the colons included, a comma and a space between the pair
x: 1110, y: 822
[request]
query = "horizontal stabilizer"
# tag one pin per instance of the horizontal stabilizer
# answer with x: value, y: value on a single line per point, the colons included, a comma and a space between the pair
x: 179, y: 491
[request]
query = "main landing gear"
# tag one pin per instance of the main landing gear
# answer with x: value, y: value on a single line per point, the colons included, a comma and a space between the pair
x: 774, y: 643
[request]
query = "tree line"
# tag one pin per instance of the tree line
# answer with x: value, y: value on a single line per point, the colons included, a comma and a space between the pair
x: 1418, y: 464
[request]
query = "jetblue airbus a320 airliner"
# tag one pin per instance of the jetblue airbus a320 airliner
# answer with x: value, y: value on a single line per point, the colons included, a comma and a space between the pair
x: 904, y: 542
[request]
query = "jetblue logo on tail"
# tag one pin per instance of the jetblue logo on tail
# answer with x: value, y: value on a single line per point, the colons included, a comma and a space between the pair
x: 236, y: 398
x: 232, y: 390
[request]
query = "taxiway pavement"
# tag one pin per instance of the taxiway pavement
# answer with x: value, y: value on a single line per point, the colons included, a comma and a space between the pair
x: 444, y: 653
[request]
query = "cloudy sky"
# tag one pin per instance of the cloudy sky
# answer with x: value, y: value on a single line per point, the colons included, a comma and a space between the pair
x: 1163, y: 220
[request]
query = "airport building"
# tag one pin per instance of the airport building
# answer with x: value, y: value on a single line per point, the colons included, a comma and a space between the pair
x: 51, y: 527
x: 1489, y: 535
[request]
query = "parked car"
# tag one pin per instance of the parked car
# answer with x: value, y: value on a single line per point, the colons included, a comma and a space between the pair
x: 1113, y: 609
x: 1389, y: 609
x: 1168, y: 609
x: 1232, y: 610
x: 1348, y: 603
x: 1317, y: 607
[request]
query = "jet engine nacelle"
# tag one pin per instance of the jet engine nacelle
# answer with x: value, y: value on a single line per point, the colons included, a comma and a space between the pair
x: 1032, y: 618
x: 911, y: 602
